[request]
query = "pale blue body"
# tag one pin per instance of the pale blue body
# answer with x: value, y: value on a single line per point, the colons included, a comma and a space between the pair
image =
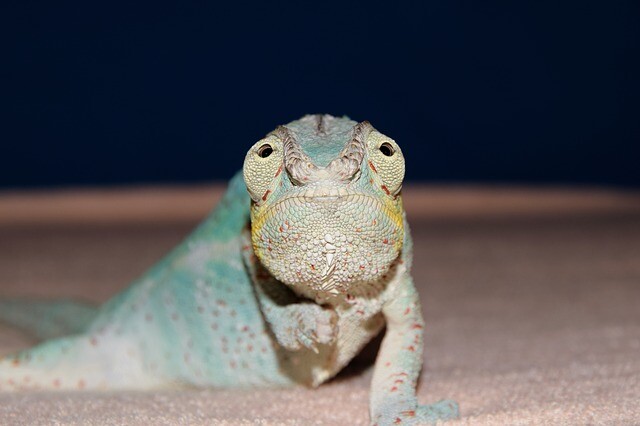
x: 212, y: 312
x: 211, y: 335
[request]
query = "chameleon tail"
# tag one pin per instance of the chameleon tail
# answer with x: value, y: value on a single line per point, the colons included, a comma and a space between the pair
x: 47, y: 319
x: 95, y: 360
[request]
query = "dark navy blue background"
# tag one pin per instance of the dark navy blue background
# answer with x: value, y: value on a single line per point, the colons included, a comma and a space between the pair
x: 474, y: 91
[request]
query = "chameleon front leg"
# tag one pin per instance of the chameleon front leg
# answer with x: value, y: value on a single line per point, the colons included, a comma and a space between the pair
x: 393, y: 389
x: 295, y: 323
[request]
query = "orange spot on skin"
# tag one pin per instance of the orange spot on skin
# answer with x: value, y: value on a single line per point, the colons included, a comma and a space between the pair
x: 370, y: 180
x: 279, y: 171
x: 385, y: 189
x: 409, y: 413
x: 387, y: 364
x: 372, y: 167
x: 393, y: 389
x: 15, y: 362
x: 313, y: 267
x: 399, y: 381
x: 360, y: 312
x: 374, y: 222
x: 398, y: 420
x: 411, y: 348
x: 406, y: 311
x: 416, y: 326
x: 385, y: 241
x: 266, y: 195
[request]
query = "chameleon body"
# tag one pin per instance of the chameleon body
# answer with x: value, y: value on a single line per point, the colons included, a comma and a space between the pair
x: 303, y: 262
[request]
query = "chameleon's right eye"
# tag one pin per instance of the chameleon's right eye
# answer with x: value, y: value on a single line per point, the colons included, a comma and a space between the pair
x: 262, y: 166
x: 265, y: 150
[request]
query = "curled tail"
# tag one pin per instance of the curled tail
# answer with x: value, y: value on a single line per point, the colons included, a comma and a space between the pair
x: 47, y: 319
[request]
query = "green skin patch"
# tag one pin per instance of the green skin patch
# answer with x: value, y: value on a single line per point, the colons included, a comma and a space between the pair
x: 301, y: 264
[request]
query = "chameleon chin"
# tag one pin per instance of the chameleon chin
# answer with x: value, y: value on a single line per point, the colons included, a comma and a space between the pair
x: 302, y: 263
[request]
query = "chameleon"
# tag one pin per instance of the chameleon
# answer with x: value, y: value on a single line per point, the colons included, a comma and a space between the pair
x: 305, y: 259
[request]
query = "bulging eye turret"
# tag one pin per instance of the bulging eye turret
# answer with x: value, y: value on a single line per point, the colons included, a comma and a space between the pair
x: 261, y: 166
x: 387, y: 162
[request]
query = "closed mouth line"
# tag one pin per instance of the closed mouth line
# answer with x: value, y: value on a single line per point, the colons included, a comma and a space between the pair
x: 306, y: 198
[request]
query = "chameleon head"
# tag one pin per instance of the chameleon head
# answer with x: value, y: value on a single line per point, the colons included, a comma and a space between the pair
x: 326, y: 211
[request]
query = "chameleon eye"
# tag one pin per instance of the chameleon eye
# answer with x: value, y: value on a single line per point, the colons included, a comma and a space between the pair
x: 262, y: 166
x: 265, y: 150
x: 386, y: 162
x: 386, y: 149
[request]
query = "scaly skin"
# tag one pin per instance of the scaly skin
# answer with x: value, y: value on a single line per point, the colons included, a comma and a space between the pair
x: 301, y: 264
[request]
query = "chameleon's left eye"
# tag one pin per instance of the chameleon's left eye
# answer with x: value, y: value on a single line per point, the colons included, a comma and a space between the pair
x: 388, y: 162
x: 386, y: 149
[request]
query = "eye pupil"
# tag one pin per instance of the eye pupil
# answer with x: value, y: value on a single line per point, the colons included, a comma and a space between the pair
x: 386, y: 149
x: 265, y: 150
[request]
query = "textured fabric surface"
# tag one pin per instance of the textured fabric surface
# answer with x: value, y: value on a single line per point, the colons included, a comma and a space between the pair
x: 531, y: 299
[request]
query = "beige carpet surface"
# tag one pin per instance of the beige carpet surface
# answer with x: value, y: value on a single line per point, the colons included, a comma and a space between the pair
x: 531, y: 299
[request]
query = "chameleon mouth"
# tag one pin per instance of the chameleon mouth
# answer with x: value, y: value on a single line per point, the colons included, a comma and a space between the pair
x: 330, y: 196
x: 323, y: 198
x: 325, y: 193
